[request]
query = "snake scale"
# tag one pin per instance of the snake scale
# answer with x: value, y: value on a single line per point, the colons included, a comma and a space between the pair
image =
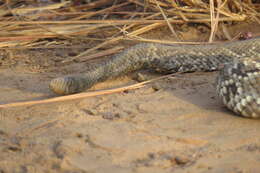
x: 238, y: 83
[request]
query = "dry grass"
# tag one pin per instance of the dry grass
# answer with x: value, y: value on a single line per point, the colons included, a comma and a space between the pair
x: 26, y: 25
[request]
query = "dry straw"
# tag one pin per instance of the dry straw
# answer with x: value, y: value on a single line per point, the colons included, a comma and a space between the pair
x: 24, y: 24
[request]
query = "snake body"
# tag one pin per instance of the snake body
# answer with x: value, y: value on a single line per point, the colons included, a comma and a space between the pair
x: 238, y: 84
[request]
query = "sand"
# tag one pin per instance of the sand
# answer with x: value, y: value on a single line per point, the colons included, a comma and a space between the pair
x: 176, y: 124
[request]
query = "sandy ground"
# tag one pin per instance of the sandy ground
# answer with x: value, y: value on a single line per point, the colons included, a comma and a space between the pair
x: 172, y: 125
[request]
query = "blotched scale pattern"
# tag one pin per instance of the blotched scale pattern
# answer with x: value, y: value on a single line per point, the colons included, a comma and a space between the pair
x: 238, y: 85
x: 184, y: 58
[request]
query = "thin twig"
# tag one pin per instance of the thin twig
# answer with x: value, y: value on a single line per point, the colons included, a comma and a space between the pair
x: 168, y: 23
x: 82, y: 95
x: 214, y: 19
x: 101, y: 53
x: 136, y: 32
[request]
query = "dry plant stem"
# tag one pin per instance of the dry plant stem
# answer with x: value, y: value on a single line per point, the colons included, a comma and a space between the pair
x: 214, y: 20
x: 183, y: 17
x: 125, y: 27
x: 107, y: 42
x: 192, y: 10
x: 21, y: 11
x: 162, y: 4
x: 101, y: 11
x: 114, y: 22
x: 82, y: 95
x: 102, y: 53
x: 162, y: 41
x: 200, y: 11
x: 17, y: 32
x: 92, y: 13
x: 167, y: 21
x: 23, y: 38
x: 141, y: 30
x: 144, y: 5
x: 137, y: 32
x: 95, y: 4
x: 32, y: 34
x: 42, y: 47
x: 117, y: 22
x: 72, y: 97
x: 225, y: 31
x: 254, y: 13
x: 54, y: 32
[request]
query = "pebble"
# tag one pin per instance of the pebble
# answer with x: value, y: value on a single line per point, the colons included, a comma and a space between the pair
x: 140, y: 77
x: 156, y: 87
x: 92, y: 112
x: 182, y: 160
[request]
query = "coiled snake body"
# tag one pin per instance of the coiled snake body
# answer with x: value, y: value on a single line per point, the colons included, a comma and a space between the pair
x: 238, y: 83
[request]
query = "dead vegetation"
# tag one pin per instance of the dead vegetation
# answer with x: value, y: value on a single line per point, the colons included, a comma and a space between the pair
x: 53, y: 24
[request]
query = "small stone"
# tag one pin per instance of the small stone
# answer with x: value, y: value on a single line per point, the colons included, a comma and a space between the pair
x: 91, y: 112
x: 60, y: 150
x: 14, y: 149
x: 79, y: 135
x: 151, y: 155
x: 156, y: 87
x: 129, y: 91
x: 181, y: 160
x: 140, y: 77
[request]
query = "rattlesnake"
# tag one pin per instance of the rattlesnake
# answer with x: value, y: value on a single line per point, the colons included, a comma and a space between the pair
x: 238, y: 84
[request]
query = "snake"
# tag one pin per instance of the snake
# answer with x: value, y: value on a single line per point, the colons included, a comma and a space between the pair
x: 238, y: 63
